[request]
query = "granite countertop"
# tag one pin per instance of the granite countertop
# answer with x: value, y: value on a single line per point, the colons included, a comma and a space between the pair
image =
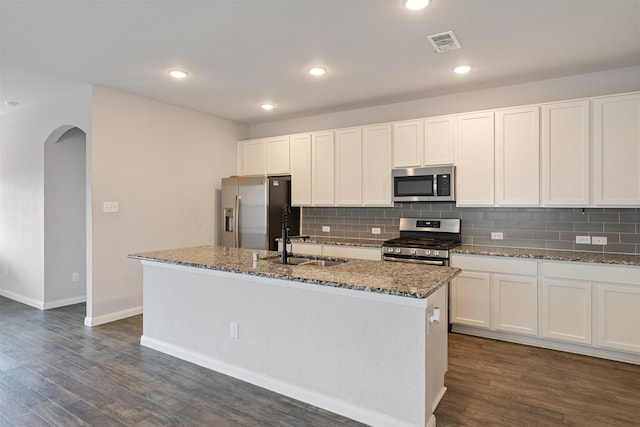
x: 552, y: 255
x: 392, y: 278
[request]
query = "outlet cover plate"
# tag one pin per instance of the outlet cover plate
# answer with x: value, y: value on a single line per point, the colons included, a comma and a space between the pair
x: 375, y: 230
x: 497, y: 236
x: 598, y: 240
x: 583, y: 240
x: 326, y: 229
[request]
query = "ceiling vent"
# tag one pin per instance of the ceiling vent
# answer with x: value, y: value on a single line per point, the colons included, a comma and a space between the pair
x: 444, y: 42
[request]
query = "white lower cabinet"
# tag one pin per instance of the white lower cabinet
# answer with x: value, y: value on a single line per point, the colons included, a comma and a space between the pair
x: 585, y: 308
x: 337, y: 251
x: 514, y: 305
x: 566, y: 310
x: 618, y: 313
x: 470, y: 294
x: 496, y: 294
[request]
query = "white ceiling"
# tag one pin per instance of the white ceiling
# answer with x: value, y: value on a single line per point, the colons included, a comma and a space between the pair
x: 240, y: 53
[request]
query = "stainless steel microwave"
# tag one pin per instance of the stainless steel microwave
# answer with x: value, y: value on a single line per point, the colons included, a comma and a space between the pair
x: 425, y: 184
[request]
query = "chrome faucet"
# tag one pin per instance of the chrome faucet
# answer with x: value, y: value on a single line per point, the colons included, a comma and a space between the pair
x: 286, y: 210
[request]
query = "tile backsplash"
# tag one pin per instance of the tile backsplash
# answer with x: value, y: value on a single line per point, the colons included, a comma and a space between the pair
x: 539, y: 228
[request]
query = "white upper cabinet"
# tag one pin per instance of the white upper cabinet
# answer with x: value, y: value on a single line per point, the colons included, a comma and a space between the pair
x: 348, y: 147
x: 252, y: 157
x: 616, y: 150
x: 265, y: 156
x: 376, y: 165
x: 517, y: 157
x: 407, y: 143
x: 301, y: 169
x: 439, y: 140
x: 565, y: 154
x: 475, y: 159
x: 278, y: 160
x: 322, y: 169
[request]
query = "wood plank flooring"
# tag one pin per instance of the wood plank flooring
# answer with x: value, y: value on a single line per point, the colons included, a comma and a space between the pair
x: 55, y: 371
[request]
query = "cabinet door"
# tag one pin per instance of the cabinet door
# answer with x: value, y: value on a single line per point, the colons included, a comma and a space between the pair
x: 565, y: 154
x: 407, y: 143
x: 322, y: 168
x: 348, y: 146
x: 278, y: 156
x: 439, y: 140
x: 376, y: 165
x: 616, y: 150
x: 566, y: 310
x: 253, y: 157
x: 618, y: 317
x: 517, y: 157
x: 475, y: 160
x: 470, y: 296
x: 514, y: 304
x: 301, y: 169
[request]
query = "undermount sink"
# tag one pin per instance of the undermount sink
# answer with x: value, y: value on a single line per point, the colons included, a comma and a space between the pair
x: 314, y: 262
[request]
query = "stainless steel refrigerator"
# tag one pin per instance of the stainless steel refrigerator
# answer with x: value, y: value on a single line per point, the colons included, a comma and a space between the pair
x: 252, y: 211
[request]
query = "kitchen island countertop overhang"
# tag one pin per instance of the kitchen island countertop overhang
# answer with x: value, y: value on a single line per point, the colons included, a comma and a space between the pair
x: 361, y: 338
x: 401, y: 279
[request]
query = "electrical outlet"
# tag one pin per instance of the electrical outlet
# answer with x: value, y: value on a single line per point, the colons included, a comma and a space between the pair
x: 75, y: 277
x: 497, y: 236
x: 110, y: 207
x: 595, y: 240
x: 233, y: 329
x: 326, y: 229
x: 583, y: 240
x: 375, y: 230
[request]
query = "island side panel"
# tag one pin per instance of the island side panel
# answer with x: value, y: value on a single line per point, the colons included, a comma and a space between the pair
x: 359, y: 354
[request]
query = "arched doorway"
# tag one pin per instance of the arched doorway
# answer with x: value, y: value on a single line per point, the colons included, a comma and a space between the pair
x: 65, y: 217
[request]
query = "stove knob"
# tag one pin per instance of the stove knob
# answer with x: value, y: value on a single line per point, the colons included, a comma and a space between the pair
x: 389, y: 250
x: 398, y: 250
x: 436, y: 253
x: 427, y: 252
x: 413, y: 251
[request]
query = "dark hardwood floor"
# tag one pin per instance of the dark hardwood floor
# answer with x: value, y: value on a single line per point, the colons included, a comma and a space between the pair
x: 55, y: 371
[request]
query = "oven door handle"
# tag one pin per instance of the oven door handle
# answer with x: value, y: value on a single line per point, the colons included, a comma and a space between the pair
x: 416, y: 261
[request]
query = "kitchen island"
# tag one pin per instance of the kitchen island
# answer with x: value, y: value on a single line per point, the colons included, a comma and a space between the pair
x: 360, y: 338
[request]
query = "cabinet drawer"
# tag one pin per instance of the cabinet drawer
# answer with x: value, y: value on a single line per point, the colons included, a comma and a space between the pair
x: 495, y: 264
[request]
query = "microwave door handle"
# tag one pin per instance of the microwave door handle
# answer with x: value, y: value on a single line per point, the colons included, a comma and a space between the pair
x: 435, y: 185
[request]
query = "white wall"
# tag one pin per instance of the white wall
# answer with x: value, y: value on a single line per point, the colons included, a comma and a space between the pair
x: 579, y: 86
x: 22, y: 137
x: 65, y: 237
x: 162, y: 164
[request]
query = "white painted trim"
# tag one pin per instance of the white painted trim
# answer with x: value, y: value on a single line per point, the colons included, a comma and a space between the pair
x: 432, y: 421
x: 22, y: 299
x: 549, y: 343
x: 65, y: 302
x: 112, y: 317
x: 293, y: 283
x: 329, y: 403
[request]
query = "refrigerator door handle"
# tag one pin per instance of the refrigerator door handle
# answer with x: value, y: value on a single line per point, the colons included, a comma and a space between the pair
x: 236, y: 220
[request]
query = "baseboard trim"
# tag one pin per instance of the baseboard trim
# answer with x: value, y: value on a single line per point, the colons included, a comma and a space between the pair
x: 65, y: 302
x: 550, y: 344
x: 112, y: 317
x: 22, y: 299
x: 365, y: 415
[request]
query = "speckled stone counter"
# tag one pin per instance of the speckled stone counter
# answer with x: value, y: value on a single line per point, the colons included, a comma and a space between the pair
x: 552, y: 255
x: 407, y: 280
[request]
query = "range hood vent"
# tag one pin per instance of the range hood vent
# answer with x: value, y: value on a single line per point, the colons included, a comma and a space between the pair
x: 444, y: 42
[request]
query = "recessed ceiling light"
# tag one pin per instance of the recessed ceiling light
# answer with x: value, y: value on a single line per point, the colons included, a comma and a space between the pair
x: 178, y: 74
x: 11, y: 104
x: 267, y: 106
x: 415, y: 4
x: 462, y: 69
x: 317, y: 71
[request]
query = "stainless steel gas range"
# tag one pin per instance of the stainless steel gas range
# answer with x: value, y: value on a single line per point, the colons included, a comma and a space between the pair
x: 425, y: 241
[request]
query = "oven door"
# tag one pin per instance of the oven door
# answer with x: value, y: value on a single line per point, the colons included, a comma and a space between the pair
x: 412, y: 259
